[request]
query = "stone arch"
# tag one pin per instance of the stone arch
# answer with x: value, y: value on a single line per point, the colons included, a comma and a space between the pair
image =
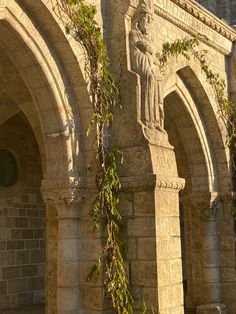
x: 201, y: 104
x: 198, y: 136
x: 58, y: 108
x: 38, y: 61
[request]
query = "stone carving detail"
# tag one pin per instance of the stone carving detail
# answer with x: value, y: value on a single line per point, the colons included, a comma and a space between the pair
x: 151, y: 182
x: 143, y: 62
x: 61, y: 192
x: 189, y: 17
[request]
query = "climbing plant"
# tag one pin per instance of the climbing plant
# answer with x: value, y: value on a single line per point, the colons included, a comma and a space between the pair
x: 189, y: 47
x: 80, y: 23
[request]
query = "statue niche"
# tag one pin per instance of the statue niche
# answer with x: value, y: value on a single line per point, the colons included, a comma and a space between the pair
x: 144, y: 63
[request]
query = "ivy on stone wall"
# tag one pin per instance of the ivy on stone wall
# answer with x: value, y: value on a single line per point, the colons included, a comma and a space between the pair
x: 189, y: 47
x: 79, y: 20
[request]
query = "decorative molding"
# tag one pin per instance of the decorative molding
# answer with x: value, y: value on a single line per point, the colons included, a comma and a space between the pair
x: 175, y: 184
x: 143, y: 183
x: 150, y: 182
x: 195, y: 20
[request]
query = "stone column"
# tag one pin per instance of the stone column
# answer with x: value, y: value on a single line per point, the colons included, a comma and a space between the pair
x: 169, y: 263
x: 211, y: 270
x: 67, y: 286
x: 68, y: 295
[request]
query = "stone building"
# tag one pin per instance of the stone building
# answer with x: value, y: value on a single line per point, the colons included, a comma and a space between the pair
x: 177, y: 191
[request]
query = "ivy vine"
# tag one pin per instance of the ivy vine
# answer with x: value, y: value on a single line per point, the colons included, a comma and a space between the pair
x: 80, y: 23
x: 188, y: 47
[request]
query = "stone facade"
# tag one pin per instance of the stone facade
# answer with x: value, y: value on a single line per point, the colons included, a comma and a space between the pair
x: 177, y: 190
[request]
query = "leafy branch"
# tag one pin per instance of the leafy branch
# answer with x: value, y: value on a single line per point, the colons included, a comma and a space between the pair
x: 79, y: 21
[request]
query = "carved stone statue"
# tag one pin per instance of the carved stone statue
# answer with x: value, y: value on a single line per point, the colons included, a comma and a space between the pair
x: 143, y: 62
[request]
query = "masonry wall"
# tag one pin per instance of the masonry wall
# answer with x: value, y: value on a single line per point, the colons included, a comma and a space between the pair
x: 22, y: 221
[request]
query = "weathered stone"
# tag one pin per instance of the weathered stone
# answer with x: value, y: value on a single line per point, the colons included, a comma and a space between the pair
x: 176, y: 197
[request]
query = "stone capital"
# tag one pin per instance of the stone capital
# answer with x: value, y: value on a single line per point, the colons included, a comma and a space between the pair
x: 64, y: 194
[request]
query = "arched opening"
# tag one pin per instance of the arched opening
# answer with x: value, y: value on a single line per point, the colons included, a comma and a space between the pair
x: 194, y: 132
x: 22, y: 212
x: 47, y: 92
x: 191, y: 166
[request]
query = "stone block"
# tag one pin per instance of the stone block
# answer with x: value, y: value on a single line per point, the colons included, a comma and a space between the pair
x: 24, y: 299
x: 164, y: 272
x: 150, y: 296
x: 27, y: 233
x: 32, y: 244
x: 7, y: 258
x: 29, y: 271
x: 141, y: 226
x: 17, y: 286
x: 69, y: 229
x: 21, y: 222
x: 177, y: 298
x: 3, y: 245
x: 144, y: 203
x: 89, y: 249
x: 85, y: 267
x: 11, y: 272
x: 69, y: 299
x: 132, y: 248
x: 22, y: 257
x: 68, y: 274
x: 4, y: 302
x: 126, y: 204
x: 5, y: 234
x: 37, y: 256
x: 93, y: 298
x: 15, y: 245
x: 167, y: 203
x: 16, y: 234
x: 163, y: 224
x: 3, y: 287
x: 176, y: 270
x: 147, y: 248
x: 143, y: 273
x: 165, y: 297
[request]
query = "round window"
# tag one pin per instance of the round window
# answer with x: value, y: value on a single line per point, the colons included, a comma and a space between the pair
x: 8, y: 168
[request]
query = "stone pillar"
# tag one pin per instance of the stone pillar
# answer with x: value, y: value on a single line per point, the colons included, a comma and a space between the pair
x: 169, y: 262
x: 51, y: 258
x: 168, y: 243
x: 211, y: 270
x: 67, y: 279
x: 68, y: 295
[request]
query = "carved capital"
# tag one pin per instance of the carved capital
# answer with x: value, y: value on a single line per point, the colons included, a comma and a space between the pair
x: 62, y: 192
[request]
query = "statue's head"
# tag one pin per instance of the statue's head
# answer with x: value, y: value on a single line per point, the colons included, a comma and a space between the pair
x: 144, y: 23
x: 145, y: 16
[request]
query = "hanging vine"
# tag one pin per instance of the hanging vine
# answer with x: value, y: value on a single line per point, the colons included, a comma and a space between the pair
x: 79, y: 20
x: 81, y: 24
